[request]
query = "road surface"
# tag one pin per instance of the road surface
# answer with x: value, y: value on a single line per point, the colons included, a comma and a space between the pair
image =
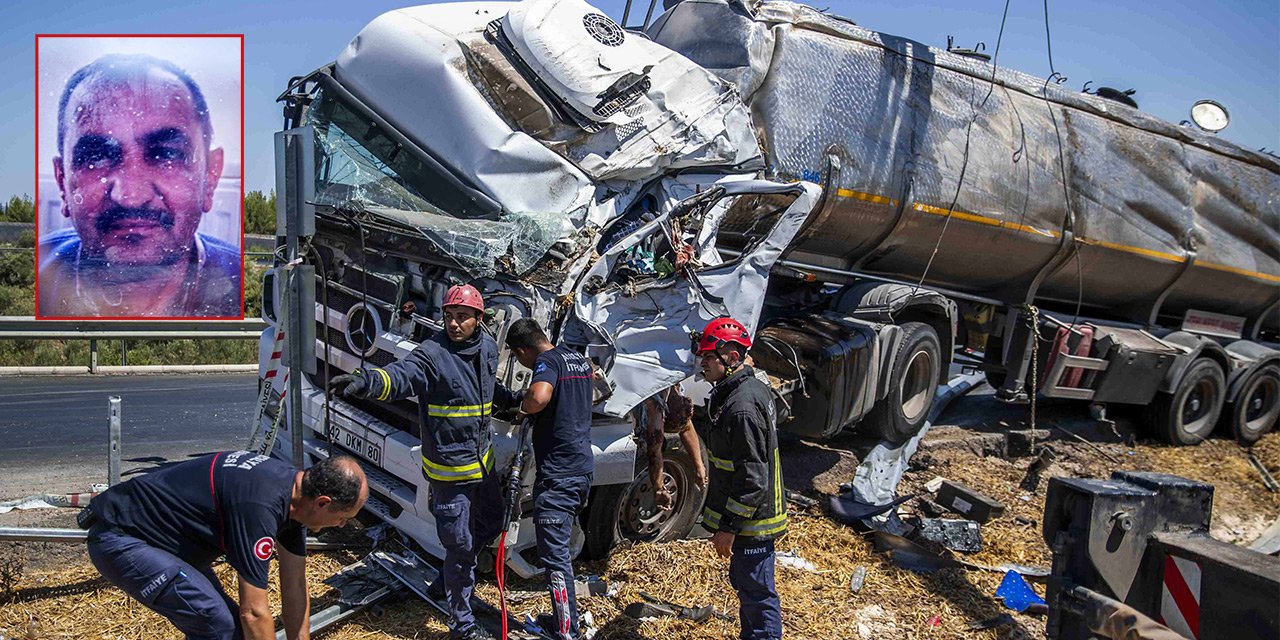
x: 53, y: 430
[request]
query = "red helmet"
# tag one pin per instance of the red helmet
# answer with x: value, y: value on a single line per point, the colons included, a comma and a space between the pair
x: 722, y: 331
x: 464, y: 295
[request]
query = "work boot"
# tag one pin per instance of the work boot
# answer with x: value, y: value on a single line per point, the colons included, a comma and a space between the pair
x: 476, y: 632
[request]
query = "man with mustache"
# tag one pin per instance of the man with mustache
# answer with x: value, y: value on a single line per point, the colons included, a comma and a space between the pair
x: 136, y: 172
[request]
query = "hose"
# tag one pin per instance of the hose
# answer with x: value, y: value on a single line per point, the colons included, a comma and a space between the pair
x: 511, y: 503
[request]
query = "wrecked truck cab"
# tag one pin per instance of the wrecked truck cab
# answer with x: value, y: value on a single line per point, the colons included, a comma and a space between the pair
x: 476, y: 171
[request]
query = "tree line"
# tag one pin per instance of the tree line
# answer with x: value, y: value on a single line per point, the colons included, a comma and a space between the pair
x: 259, y: 211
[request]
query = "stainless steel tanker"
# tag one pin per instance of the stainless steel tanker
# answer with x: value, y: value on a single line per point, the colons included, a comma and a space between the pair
x: 1045, y: 194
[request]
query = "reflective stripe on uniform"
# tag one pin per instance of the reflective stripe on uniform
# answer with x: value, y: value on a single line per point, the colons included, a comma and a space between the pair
x: 739, y: 508
x: 446, y: 473
x: 386, y: 384
x: 762, y: 527
x: 459, y: 411
x: 721, y: 463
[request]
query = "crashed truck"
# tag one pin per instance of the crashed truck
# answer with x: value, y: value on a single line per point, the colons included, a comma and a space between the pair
x: 875, y: 210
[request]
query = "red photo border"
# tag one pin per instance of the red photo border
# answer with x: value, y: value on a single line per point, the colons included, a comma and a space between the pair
x: 243, y: 171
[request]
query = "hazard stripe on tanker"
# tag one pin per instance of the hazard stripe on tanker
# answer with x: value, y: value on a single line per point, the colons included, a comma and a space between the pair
x: 1180, y: 596
x: 1005, y: 224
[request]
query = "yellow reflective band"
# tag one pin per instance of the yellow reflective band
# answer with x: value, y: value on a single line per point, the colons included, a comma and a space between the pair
x: 762, y: 527
x: 458, y: 411
x: 779, y: 505
x: 739, y: 508
x: 721, y: 463
x: 1052, y: 233
x: 869, y: 197
x: 386, y: 383
x: 767, y: 526
x: 459, y: 473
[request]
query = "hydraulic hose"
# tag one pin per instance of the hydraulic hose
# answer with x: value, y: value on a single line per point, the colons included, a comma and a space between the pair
x: 511, y: 505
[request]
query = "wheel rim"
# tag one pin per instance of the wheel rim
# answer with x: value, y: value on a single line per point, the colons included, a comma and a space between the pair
x: 917, y: 385
x: 640, y: 517
x: 1198, y: 404
x: 1261, y: 404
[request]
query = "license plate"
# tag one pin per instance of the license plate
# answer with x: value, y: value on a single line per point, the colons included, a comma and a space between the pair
x: 367, y: 446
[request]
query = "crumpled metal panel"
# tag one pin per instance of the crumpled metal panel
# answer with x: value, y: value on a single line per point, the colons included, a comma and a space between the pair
x: 894, y: 114
x: 411, y: 67
x: 642, y: 332
x: 653, y: 109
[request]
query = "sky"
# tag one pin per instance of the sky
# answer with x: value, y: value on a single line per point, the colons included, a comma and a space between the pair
x: 1172, y: 52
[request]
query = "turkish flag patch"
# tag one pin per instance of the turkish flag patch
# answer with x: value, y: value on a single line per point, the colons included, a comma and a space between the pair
x: 263, y: 548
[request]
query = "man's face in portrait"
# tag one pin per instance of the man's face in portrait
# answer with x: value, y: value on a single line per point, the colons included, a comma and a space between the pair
x: 134, y: 168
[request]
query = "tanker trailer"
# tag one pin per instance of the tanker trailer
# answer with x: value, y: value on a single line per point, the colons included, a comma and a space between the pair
x: 1095, y: 252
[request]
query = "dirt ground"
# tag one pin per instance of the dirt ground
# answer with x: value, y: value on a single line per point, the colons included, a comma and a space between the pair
x: 55, y: 585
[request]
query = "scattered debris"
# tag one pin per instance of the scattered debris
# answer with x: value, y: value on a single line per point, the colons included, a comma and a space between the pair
x: 1099, y: 450
x: 969, y: 503
x: 875, y: 623
x: 847, y: 508
x: 1026, y: 522
x: 1267, y: 478
x: 800, y: 499
x: 930, y: 508
x: 957, y: 535
x: 1016, y: 593
x: 589, y: 586
x: 991, y: 623
x: 1031, y: 481
x: 935, y: 621
x: 654, y: 607
x: 47, y: 501
x: 792, y: 559
x: 1268, y: 542
x: 933, y: 485
x: 858, y: 578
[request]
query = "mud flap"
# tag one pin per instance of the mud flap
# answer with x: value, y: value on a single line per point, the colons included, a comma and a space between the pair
x: 640, y: 332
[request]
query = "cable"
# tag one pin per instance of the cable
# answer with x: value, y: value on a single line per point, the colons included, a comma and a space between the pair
x: 1058, y: 78
x: 964, y: 165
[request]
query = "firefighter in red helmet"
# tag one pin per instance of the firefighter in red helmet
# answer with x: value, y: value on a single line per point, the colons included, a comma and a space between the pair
x: 745, y: 509
x: 453, y: 375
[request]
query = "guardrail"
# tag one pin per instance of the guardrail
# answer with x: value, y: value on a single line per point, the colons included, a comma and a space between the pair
x: 29, y: 328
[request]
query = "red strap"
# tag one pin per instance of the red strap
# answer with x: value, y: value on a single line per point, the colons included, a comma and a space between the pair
x: 222, y: 529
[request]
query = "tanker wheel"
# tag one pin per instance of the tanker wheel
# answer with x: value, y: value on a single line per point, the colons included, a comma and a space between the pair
x: 1187, y: 416
x: 627, y: 511
x: 1256, y: 409
x: 913, y: 384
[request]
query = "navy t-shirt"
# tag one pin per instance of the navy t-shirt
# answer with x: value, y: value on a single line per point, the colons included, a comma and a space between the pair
x: 562, y: 431
x: 234, y: 503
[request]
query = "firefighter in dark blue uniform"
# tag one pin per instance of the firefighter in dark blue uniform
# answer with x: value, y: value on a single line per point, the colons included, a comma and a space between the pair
x: 559, y: 398
x: 453, y: 376
x: 744, y: 509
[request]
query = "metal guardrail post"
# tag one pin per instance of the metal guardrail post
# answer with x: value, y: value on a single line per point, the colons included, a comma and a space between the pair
x: 93, y: 356
x: 113, y: 444
x: 124, y: 352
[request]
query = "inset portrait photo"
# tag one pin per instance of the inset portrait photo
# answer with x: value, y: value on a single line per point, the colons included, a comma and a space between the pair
x: 139, y: 194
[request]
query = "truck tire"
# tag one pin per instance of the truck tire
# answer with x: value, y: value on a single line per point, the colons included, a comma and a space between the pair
x: 1187, y: 416
x: 1257, y: 408
x: 912, y: 385
x: 619, y: 512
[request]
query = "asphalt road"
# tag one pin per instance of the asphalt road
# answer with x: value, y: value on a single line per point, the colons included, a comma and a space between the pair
x: 53, y: 430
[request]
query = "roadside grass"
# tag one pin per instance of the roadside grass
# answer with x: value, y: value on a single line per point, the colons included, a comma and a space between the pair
x: 17, y: 298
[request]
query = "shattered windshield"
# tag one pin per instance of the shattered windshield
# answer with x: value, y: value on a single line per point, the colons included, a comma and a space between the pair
x: 360, y: 168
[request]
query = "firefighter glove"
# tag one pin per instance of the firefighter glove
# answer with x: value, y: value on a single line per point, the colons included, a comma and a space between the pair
x: 353, y: 385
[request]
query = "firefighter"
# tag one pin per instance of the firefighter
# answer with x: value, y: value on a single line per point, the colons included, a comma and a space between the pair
x: 156, y: 536
x: 744, y: 509
x: 667, y: 412
x: 559, y: 398
x: 453, y: 376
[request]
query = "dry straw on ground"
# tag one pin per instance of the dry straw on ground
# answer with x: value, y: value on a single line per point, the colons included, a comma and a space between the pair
x: 71, y: 601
